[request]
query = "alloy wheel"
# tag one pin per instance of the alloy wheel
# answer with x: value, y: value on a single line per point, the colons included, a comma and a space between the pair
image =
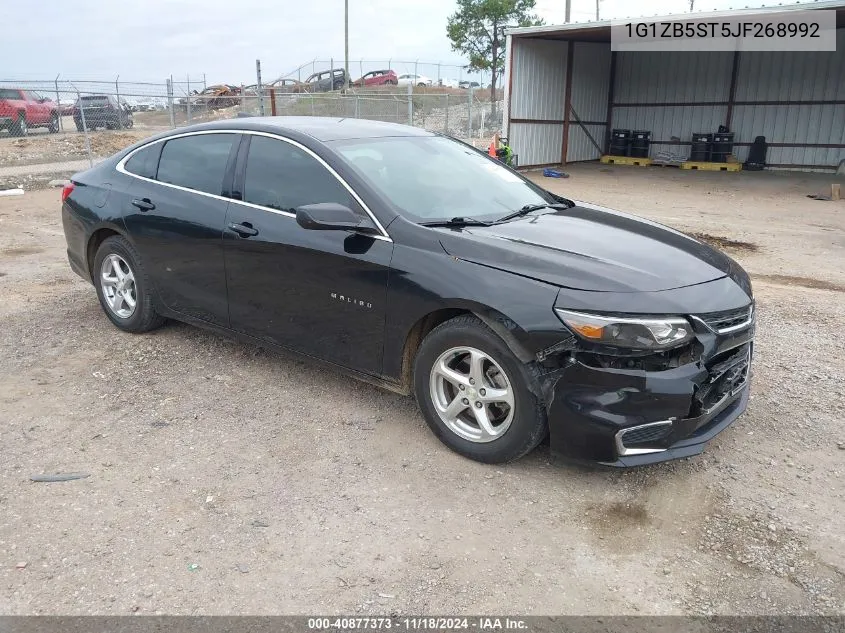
x: 472, y: 394
x: 117, y: 282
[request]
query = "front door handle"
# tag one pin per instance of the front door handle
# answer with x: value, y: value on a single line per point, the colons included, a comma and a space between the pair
x: 144, y: 204
x: 244, y: 230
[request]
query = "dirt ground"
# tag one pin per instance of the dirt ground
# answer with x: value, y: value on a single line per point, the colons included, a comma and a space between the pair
x: 31, y: 162
x: 224, y: 479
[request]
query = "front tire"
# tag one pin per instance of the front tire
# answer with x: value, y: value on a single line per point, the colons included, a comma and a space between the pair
x: 476, y: 395
x: 123, y: 287
x: 53, y: 128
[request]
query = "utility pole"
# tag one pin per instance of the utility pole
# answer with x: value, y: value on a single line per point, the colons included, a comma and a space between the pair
x: 597, y: 10
x: 691, y: 4
x: 346, y: 43
x: 568, y: 10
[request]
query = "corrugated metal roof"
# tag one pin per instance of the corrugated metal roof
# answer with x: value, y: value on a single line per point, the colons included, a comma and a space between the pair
x: 807, y: 5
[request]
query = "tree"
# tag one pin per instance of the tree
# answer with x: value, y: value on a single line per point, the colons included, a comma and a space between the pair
x: 477, y: 29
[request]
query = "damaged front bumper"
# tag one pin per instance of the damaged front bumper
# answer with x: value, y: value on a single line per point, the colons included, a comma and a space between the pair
x: 624, y: 417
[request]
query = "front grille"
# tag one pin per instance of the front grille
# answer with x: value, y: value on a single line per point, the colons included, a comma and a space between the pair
x: 727, y: 318
x: 728, y: 373
x: 645, y: 434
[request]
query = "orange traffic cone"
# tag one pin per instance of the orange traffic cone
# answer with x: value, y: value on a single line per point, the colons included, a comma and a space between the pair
x: 492, y: 149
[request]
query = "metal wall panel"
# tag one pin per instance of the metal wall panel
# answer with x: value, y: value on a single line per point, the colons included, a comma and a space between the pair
x: 655, y: 77
x: 590, y: 81
x: 785, y: 76
x: 539, y: 79
x: 817, y: 124
x: 506, y: 110
x: 664, y: 122
x: 590, y: 88
x: 580, y: 147
x: 536, y: 143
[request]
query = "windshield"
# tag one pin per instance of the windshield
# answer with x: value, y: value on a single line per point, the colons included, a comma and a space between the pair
x: 436, y: 178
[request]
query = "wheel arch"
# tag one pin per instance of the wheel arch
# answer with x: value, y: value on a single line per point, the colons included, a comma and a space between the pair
x: 504, y: 327
x: 97, y: 237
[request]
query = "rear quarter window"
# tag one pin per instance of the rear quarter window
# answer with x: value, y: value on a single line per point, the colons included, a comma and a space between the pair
x: 196, y: 162
x: 144, y: 162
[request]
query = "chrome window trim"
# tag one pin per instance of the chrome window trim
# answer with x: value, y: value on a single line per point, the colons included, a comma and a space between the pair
x: 121, y: 167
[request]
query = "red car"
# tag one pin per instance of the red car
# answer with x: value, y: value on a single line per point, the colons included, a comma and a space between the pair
x: 378, y: 78
x: 23, y: 109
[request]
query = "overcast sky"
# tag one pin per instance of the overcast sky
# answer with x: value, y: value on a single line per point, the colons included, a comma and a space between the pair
x: 151, y: 39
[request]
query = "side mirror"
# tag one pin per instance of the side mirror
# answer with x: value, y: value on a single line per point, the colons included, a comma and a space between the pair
x: 330, y: 216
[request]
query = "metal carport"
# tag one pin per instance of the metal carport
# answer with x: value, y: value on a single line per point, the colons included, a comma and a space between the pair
x: 564, y: 85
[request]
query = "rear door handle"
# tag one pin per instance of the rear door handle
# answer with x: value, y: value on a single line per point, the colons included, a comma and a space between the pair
x: 244, y: 230
x: 144, y: 204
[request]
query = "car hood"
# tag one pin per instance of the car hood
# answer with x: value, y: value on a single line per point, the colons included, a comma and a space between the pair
x: 588, y: 247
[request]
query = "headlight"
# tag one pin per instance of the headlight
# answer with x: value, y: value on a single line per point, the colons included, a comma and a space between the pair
x: 635, y: 333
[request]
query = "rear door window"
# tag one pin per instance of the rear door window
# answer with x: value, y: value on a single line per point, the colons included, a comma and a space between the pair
x: 197, y: 162
x: 9, y: 93
x: 95, y: 102
x: 282, y: 176
x: 144, y: 162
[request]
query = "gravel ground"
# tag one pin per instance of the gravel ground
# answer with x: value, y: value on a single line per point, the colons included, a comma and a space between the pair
x: 224, y: 479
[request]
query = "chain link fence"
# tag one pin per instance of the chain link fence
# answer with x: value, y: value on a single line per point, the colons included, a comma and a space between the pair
x: 52, y: 129
x: 466, y: 114
x: 441, y: 74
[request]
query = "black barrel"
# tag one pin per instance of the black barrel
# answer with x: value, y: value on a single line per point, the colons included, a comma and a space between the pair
x: 640, y: 142
x: 723, y: 146
x: 620, y: 142
x: 701, y: 146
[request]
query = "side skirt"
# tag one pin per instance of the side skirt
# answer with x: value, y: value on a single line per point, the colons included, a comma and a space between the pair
x: 378, y: 381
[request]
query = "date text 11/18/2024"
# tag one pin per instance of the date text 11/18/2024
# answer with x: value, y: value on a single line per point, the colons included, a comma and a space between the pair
x: 419, y: 623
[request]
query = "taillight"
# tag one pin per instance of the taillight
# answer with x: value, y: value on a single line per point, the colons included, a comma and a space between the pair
x: 66, y: 190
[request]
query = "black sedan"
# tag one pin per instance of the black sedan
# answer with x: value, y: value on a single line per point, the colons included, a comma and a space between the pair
x: 414, y: 261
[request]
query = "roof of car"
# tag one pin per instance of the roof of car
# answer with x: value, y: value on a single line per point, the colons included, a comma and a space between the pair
x: 321, y: 128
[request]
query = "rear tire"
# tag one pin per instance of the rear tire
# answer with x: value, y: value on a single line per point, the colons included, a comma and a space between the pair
x: 486, y: 381
x: 120, y: 280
